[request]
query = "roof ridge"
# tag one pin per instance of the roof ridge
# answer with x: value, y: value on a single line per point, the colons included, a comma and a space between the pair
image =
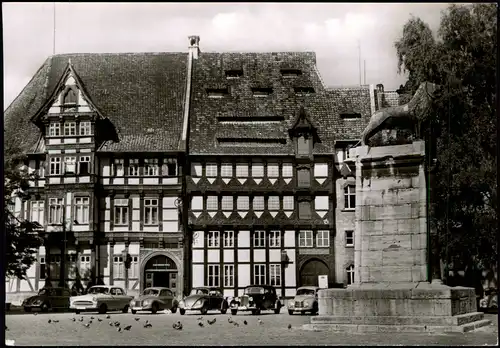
x: 62, y: 55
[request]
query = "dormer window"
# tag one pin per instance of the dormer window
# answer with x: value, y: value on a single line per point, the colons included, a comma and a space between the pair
x: 234, y: 74
x: 262, y: 92
x: 290, y: 73
x: 217, y: 92
x: 350, y: 115
x: 303, y: 146
x: 304, y: 90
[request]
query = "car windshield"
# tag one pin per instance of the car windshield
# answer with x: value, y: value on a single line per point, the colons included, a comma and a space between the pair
x: 306, y: 292
x: 199, y: 292
x: 151, y: 292
x: 254, y: 290
x: 43, y: 292
x: 98, y: 290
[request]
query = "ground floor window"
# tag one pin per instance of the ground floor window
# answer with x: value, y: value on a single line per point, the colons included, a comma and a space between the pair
x: 213, y: 275
x: 275, y: 274
x: 134, y: 267
x: 118, y: 267
x: 259, y: 274
x: 350, y: 274
x: 228, y: 276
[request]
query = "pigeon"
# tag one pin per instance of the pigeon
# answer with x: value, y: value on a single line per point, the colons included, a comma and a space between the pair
x: 117, y: 323
x: 90, y: 321
x: 229, y: 320
x: 92, y: 318
x: 177, y: 326
x: 147, y: 321
x: 73, y: 319
x: 86, y: 325
x: 200, y: 324
x: 236, y: 324
x: 128, y: 327
x: 148, y: 325
x: 289, y: 326
x: 108, y: 316
x: 137, y: 319
x: 35, y: 313
x: 110, y: 323
x: 119, y: 329
x: 99, y: 319
x: 200, y: 318
x: 55, y: 321
x: 259, y: 321
x: 50, y: 321
x: 245, y: 322
x: 81, y: 319
x: 211, y: 322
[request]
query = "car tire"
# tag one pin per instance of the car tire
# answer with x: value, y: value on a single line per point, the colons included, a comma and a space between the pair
x: 125, y: 309
x: 45, y: 307
x: 315, y: 309
x: 204, y: 310
x: 103, y: 309
x: 27, y: 309
x: 256, y: 311
x: 277, y: 310
x: 290, y: 312
x: 154, y: 308
x: 77, y: 312
x: 173, y: 309
x: 133, y: 311
x: 182, y: 311
x: 234, y: 311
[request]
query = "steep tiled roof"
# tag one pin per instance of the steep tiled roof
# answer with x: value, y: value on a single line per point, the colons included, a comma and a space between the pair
x: 323, y: 107
x: 142, y: 94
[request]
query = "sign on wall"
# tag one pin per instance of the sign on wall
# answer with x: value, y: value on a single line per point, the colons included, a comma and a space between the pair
x: 323, y: 281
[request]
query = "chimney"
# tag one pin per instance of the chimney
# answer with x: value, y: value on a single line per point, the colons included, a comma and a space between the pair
x: 194, y: 46
x: 380, y: 96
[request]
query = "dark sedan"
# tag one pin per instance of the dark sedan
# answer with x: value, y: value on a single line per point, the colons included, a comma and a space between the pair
x: 47, y: 299
x: 255, y: 299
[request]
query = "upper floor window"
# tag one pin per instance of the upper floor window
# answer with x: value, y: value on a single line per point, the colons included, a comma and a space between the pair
x: 55, y: 166
x: 69, y: 128
x: 272, y: 170
x: 303, y: 146
x: 55, y: 129
x: 121, y: 211
x: 227, y: 203
x: 151, y: 167
x: 226, y: 170
x: 259, y: 239
x: 274, y: 239
x: 305, y: 238
x: 228, y: 239
x: 257, y: 170
x: 304, y: 210
x: 118, y: 166
x: 350, y: 197
x: 170, y: 167
x: 211, y: 170
x: 82, y: 210
x: 84, y: 165
x: 287, y: 170
x: 243, y: 203
x: 85, y: 128
x: 349, y: 238
x: 273, y: 203
x: 133, y: 167
x: 304, y: 177
x: 258, y: 203
x: 242, y: 170
x: 150, y: 211
x: 41, y: 169
x: 70, y: 97
x: 212, y: 203
x: 70, y: 165
x: 288, y: 202
x: 55, y: 210
x: 213, y: 239
x: 37, y: 212
x: 323, y: 239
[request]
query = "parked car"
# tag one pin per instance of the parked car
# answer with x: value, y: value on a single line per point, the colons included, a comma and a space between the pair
x: 306, y: 300
x: 47, y: 299
x: 204, y: 299
x: 101, y: 298
x: 154, y: 299
x: 257, y: 298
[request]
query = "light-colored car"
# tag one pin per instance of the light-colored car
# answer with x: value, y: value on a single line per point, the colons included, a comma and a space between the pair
x: 101, y: 298
x: 204, y: 299
x: 306, y: 300
x: 154, y: 299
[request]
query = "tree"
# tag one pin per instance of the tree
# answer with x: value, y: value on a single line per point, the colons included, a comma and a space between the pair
x: 459, y: 126
x: 21, y: 236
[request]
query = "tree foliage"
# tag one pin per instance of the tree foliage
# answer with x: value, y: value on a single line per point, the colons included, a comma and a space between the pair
x: 21, y: 236
x: 460, y: 125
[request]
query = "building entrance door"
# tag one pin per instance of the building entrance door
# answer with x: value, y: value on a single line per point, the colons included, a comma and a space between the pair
x: 310, y: 272
x: 159, y: 272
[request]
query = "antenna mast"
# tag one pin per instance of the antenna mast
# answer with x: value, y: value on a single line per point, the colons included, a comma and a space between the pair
x: 364, y: 72
x: 359, y: 62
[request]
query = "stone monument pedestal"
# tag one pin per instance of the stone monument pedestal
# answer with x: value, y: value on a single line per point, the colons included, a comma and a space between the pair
x: 391, y: 292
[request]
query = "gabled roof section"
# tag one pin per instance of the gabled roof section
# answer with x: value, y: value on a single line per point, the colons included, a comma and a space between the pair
x: 137, y: 92
x: 303, y: 124
x: 68, y: 72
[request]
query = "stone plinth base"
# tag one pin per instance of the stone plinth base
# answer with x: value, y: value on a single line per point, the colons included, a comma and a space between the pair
x: 398, y: 307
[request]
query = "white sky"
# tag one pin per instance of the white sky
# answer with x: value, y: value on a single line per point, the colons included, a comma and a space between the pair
x: 332, y: 30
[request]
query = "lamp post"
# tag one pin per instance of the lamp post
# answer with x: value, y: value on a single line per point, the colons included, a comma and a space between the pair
x: 127, y: 261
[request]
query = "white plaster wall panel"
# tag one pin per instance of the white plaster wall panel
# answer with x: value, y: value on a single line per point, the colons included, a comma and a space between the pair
x: 70, y: 140
x: 150, y: 181
x: 86, y: 150
x: 104, y: 255
x: 120, y: 228
x: 136, y: 225
x: 42, y: 251
x: 170, y: 214
x: 107, y: 215
x: 105, y: 181
x: 241, y: 292
x: 107, y: 202
x: 54, y: 180
x: 78, y: 228
x: 290, y: 279
x: 118, y: 181
x: 119, y: 283
x: 84, y: 179
x: 169, y: 202
x: 69, y: 180
x: 213, y: 256
x: 105, y: 167
x: 274, y: 255
x: 53, y: 141
x: 84, y: 109
x: 53, y: 151
x: 198, y: 239
x: 151, y: 229
x: 136, y: 215
x: 243, y: 275
x: 85, y: 140
x: 198, y: 256
x: 136, y: 204
x: 290, y: 292
x: 196, y: 169
x: 198, y: 275
x: 134, y: 248
x: 107, y: 226
x: 197, y: 203
x: 289, y: 239
x: 244, y: 255
x: 170, y: 181
x: 81, y: 99
x: 244, y: 239
x: 320, y: 169
x: 118, y: 248
x: 133, y: 181
x: 31, y: 272
x: 54, y: 110
x: 229, y: 293
x: 259, y: 256
x: 25, y: 287
x: 70, y: 81
x: 228, y: 256
x: 70, y: 151
x: 170, y: 226
x: 291, y: 254
x: 321, y: 203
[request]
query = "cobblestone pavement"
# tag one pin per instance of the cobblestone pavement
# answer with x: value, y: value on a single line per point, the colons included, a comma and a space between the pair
x: 34, y: 330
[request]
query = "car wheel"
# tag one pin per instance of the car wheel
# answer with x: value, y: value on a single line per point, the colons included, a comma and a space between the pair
x: 133, y: 311
x: 182, y: 311
x: 315, y: 309
x: 154, y: 308
x: 277, y: 309
x: 125, y: 309
x: 45, y: 307
x: 204, y: 310
x: 173, y: 309
x: 77, y: 312
x: 103, y: 309
x: 234, y: 311
x: 290, y: 312
x: 27, y: 309
x: 223, y: 311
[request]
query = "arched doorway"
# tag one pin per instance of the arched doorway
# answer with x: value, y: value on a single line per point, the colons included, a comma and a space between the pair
x: 311, y: 270
x: 161, y: 270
